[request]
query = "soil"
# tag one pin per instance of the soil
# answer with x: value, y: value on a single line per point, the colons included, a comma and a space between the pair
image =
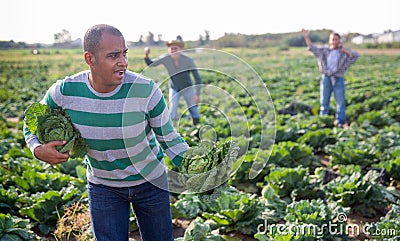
x: 379, y: 51
x: 180, y: 225
x: 360, y: 221
x: 13, y: 120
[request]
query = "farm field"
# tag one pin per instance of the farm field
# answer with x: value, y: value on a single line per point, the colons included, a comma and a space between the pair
x: 298, y: 177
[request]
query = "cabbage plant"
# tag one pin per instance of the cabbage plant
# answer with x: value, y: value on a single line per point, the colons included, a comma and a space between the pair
x: 207, y: 167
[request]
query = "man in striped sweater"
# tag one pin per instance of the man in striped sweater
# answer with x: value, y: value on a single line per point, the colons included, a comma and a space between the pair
x: 124, y: 119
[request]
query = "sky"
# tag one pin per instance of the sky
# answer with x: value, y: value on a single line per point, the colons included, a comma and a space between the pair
x: 36, y: 21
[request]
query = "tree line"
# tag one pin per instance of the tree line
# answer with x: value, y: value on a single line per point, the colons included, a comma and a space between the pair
x: 283, y: 41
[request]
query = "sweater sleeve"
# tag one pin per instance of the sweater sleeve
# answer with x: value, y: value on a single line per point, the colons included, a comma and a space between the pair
x: 154, y: 62
x: 193, y: 68
x: 352, y: 59
x: 315, y: 50
x: 170, y: 140
x: 31, y: 140
x: 197, y: 78
x: 148, y: 61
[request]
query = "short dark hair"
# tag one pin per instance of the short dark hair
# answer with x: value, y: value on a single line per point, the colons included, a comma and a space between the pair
x: 336, y: 34
x: 93, y: 36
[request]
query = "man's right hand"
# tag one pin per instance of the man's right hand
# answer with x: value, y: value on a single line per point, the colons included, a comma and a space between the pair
x: 48, y: 153
x: 306, y: 33
x: 146, y: 51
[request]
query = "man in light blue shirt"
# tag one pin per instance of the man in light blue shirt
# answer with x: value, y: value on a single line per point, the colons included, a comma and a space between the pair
x: 333, y: 61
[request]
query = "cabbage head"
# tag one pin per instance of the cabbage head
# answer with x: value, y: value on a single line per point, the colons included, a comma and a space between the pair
x: 207, y: 167
x: 50, y: 124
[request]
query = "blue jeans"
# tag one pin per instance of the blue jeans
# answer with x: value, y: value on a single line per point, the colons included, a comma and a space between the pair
x: 110, y: 211
x: 188, y: 94
x: 338, y: 89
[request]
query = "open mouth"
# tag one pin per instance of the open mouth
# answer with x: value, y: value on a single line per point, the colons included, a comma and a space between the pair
x: 120, y: 73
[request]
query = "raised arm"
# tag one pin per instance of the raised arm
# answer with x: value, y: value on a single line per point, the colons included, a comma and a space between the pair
x: 306, y: 35
x: 146, y: 52
x: 146, y: 56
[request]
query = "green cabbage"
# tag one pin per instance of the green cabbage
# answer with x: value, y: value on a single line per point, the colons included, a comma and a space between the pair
x: 55, y: 125
x: 198, y: 230
x: 208, y: 166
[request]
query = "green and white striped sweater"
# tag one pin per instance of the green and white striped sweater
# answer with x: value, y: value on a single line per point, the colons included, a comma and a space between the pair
x: 125, y: 129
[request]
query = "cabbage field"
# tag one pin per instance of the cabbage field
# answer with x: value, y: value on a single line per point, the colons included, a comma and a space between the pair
x: 298, y: 177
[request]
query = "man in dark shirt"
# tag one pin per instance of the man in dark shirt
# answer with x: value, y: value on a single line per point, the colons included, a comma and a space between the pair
x: 179, y: 67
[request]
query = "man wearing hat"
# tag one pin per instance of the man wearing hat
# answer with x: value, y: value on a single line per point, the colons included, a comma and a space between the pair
x: 179, y: 67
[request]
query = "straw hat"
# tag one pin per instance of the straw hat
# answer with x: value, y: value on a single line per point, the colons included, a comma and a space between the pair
x: 176, y: 42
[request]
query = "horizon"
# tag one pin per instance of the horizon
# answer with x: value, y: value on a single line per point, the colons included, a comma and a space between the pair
x: 38, y: 21
x: 193, y: 40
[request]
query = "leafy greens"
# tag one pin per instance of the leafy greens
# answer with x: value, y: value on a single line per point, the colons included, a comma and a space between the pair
x: 50, y: 124
x: 208, y: 166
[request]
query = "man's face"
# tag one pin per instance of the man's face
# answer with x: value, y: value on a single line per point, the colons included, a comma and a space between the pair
x: 334, y: 41
x: 110, y: 63
x: 173, y: 49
